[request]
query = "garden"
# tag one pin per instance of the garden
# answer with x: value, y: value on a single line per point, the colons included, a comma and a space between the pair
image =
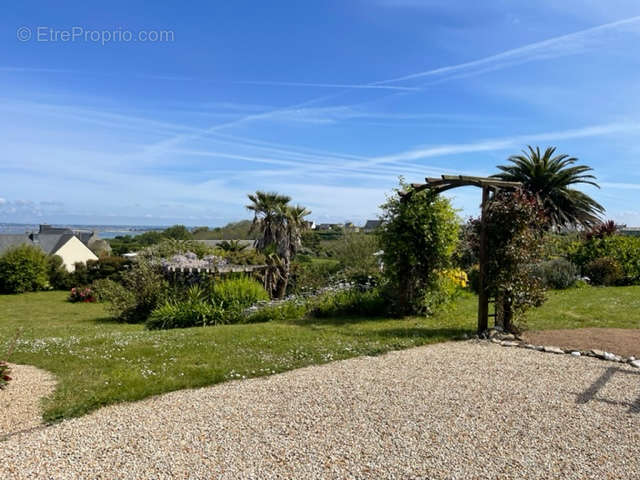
x: 183, y: 314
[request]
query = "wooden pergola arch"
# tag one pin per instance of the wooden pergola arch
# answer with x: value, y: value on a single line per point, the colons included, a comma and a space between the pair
x: 489, y: 187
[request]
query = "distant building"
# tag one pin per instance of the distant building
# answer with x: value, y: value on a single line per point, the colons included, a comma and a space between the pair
x: 630, y: 231
x: 63, y: 242
x: 327, y: 227
x: 371, y: 225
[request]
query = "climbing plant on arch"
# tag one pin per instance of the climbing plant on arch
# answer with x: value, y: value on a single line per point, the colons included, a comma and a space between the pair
x: 508, y: 231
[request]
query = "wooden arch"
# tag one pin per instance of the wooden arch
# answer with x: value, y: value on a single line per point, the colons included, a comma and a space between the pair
x: 489, y: 186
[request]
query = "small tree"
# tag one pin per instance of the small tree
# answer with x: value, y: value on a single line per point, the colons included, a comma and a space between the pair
x: 515, y: 225
x: 418, y: 235
x: 280, y: 227
x: 23, y: 269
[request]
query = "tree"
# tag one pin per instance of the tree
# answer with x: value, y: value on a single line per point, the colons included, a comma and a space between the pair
x: 178, y: 232
x: 550, y: 178
x: 418, y: 235
x: 280, y: 228
x: 23, y: 269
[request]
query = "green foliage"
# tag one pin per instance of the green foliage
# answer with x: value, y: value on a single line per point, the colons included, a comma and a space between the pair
x: 185, y: 314
x: 232, y: 231
x: 169, y: 247
x: 515, y: 225
x: 240, y: 292
x: 625, y: 250
x: 309, y: 275
x: 286, y: 311
x: 557, y: 274
x: 105, y: 267
x: 59, y: 277
x: 604, y: 271
x: 177, y: 232
x: 549, y: 178
x: 355, y: 252
x: 24, y: 269
x: 418, y: 235
x: 127, y: 243
x: 352, y: 302
x: 143, y: 288
x: 247, y: 256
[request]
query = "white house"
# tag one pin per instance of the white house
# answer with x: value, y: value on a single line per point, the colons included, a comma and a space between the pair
x: 53, y: 241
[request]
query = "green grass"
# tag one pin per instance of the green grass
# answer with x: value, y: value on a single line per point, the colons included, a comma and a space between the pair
x: 98, y: 361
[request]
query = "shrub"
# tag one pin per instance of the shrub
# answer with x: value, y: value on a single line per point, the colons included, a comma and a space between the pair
x: 190, y: 313
x: 59, y: 277
x: 24, y: 269
x: 143, y: 288
x: 515, y: 228
x: 604, y: 271
x: 352, y: 302
x: 418, y: 235
x: 308, y: 276
x: 81, y: 294
x: 625, y: 250
x: 356, y: 254
x: 558, y: 273
x: 286, y: 311
x: 240, y: 292
x: 170, y: 247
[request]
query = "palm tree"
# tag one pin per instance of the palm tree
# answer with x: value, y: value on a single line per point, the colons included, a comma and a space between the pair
x: 268, y: 216
x: 280, y: 226
x: 550, y: 177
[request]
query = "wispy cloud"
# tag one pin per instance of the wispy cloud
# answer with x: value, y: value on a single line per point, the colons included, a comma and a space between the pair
x: 504, y: 143
x: 563, y: 45
x: 329, y: 85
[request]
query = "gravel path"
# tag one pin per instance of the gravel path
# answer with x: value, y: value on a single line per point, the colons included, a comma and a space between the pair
x: 464, y: 410
x: 20, y: 399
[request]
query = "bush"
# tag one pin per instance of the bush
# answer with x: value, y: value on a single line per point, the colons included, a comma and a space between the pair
x: 24, y: 269
x: 287, y: 311
x: 81, y: 294
x: 240, y: 292
x: 624, y: 250
x: 59, y: 277
x: 604, y: 271
x: 143, y: 288
x: 558, y: 273
x: 170, y: 247
x: 307, y: 275
x: 418, y: 234
x: 190, y: 313
x: 352, y: 302
x: 356, y: 254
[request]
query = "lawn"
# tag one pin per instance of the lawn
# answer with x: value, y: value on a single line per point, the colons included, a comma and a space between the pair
x: 98, y: 361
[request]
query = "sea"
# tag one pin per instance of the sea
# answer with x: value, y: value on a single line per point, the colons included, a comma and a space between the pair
x: 103, y: 231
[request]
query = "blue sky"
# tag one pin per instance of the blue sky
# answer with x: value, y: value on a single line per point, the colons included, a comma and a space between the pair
x: 327, y: 101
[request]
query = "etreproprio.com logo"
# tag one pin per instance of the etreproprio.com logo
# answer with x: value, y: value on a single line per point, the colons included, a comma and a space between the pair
x: 46, y: 34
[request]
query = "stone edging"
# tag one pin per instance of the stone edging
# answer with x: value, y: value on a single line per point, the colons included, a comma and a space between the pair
x: 509, y: 340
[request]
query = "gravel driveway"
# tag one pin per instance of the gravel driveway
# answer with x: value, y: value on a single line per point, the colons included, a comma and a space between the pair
x: 456, y: 410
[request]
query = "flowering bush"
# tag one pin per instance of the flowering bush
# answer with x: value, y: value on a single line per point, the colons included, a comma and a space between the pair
x: 456, y: 276
x: 81, y: 294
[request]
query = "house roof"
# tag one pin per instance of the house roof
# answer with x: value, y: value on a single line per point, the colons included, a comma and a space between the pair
x: 8, y: 241
x: 51, y: 243
x: 372, y: 224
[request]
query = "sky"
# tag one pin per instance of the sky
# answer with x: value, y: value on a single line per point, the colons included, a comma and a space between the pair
x: 158, y: 113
